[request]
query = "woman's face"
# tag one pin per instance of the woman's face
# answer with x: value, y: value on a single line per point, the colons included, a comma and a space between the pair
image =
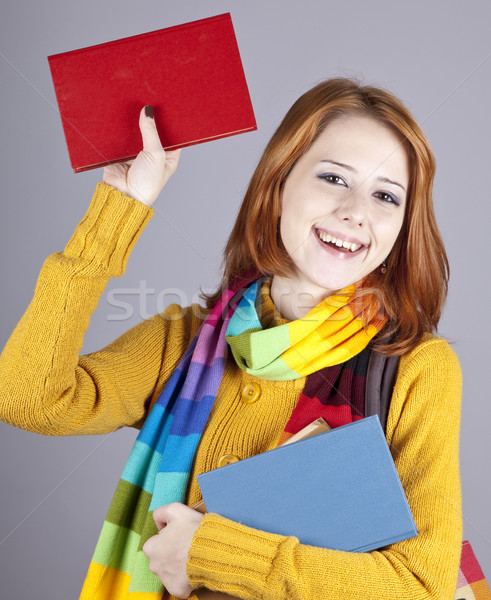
x: 343, y: 205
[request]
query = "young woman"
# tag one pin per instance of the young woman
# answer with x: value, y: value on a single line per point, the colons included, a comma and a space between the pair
x: 335, y: 253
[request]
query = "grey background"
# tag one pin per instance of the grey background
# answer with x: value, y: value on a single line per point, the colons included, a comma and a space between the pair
x: 436, y: 56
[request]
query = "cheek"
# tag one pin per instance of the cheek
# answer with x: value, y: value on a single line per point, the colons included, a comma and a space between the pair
x: 390, y: 234
x: 289, y: 216
x: 292, y: 233
x: 285, y: 230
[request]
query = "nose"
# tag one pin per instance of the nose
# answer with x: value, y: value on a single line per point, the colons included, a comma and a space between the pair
x: 353, y: 208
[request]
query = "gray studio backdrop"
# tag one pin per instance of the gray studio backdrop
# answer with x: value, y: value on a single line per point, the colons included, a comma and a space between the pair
x: 434, y: 55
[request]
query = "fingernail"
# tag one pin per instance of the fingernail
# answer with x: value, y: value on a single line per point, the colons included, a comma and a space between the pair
x: 149, y: 111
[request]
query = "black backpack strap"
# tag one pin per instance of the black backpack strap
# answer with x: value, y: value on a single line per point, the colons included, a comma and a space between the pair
x: 381, y: 378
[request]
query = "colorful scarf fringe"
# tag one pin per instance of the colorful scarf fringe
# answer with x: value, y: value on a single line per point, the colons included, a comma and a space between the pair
x: 158, y: 468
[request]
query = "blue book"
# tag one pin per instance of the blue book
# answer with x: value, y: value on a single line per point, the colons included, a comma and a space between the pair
x: 338, y: 489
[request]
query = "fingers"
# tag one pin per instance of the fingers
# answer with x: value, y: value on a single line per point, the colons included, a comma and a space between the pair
x: 177, y: 511
x: 148, y: 129
x: 160, y: 517
x: 163, y: 514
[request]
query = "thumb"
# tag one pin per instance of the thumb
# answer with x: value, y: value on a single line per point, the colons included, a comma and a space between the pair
x: 148, y: 130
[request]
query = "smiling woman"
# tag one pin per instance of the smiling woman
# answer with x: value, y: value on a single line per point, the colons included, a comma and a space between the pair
x: 335, y: 256
x: 339, y: 226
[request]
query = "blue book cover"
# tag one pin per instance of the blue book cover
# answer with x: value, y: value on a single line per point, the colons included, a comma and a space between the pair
x: 338, y: 489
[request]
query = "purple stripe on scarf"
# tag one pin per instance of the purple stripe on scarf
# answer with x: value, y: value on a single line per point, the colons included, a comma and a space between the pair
x: 203, y: 380
x: 211, y: 344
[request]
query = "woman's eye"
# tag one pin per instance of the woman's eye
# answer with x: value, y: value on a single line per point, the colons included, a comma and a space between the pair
x: 330, y: 178
x: 385, y: 197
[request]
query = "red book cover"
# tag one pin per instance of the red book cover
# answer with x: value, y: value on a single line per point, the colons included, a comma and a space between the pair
x: 191, y: 74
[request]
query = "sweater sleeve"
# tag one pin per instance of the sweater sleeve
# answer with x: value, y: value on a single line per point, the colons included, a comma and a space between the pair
x: 423, y: 434
x: 45, y: 386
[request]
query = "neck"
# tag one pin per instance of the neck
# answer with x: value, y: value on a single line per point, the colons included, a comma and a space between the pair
x: 291, y: 298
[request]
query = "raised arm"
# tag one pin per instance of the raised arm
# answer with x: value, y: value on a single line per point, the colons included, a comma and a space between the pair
x: 44, y: 385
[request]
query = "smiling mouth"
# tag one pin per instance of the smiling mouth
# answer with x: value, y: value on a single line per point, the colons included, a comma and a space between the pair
x: 337, y: 243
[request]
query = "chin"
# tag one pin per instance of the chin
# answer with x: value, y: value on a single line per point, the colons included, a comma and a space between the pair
x: 333, y: 284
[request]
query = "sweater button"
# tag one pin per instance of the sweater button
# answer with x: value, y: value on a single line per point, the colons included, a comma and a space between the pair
x: 227, y: 459
x: 251, y: 393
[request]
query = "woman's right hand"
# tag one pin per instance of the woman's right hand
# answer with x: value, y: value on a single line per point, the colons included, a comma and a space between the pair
x: 144, y: 177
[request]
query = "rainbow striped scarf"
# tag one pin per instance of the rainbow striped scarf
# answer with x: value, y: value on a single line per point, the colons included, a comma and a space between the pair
x: 158, y: 468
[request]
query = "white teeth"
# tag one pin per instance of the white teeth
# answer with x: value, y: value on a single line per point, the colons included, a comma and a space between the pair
x: 327, y: 237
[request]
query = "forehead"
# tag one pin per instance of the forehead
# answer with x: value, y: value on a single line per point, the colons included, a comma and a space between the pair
x: 363, y: 143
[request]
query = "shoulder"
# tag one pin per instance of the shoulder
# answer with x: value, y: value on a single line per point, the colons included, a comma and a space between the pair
x: 195, y: 313
x: 429, y: 383
x: 182, y: 321
x: 167, y: 336
x: 432, y: 355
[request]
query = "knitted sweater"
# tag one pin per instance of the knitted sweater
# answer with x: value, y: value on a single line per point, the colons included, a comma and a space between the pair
x: 46, y: 387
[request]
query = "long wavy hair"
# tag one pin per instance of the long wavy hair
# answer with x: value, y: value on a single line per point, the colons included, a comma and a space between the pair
x: 414, y: 288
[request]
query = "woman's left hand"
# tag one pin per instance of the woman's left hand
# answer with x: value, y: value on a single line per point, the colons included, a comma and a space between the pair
x: 168, y: 551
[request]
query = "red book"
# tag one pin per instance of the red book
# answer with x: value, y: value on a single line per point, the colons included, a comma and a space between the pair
x: 191, y: 74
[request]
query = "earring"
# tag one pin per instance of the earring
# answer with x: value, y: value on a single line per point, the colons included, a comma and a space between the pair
x: 383, y: 268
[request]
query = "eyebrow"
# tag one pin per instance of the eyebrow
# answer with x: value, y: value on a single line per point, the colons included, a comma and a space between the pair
x: 384, y: 179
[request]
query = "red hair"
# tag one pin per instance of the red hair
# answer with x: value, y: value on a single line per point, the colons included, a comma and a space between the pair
x: 414, y: 288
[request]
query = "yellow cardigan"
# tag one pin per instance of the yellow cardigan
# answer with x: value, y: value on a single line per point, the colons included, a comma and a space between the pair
x: 46, y: 387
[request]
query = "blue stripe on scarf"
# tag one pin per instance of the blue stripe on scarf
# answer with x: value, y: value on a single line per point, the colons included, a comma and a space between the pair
x: 159, y: 424
x: 179, y: 453
x: 245, y: 315
x: 133, y: 473
x: 174, y: 385
x: 169, y: 487
x: 187, y: 420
